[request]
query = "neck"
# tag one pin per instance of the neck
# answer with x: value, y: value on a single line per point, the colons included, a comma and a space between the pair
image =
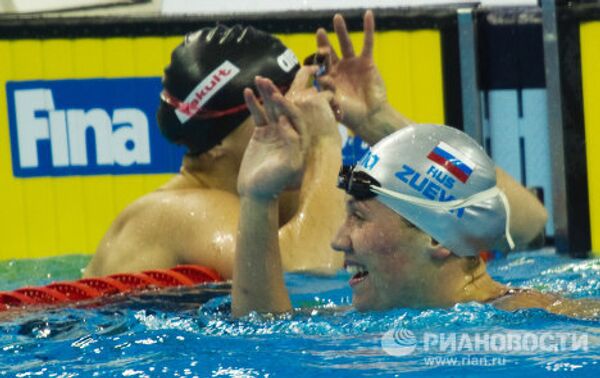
x: 479, y: 286
x: 463, y: 284
x: 218, y: 167
x: 206, y: 172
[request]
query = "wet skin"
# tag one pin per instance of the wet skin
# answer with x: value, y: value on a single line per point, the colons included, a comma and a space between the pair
x: 391, y: 258
x: 394, y: 264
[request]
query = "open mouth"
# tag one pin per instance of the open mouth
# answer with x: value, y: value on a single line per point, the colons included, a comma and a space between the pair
x: 359, y: 272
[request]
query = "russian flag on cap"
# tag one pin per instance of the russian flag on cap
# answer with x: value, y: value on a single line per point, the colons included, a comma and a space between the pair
x: 453, y: 161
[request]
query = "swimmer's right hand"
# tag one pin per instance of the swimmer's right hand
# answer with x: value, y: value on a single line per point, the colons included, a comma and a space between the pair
x: 357, y: 83
x: 275, y: 157
x: 319, y: 109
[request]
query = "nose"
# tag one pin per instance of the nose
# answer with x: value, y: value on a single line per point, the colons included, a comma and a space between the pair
x: 341, y: 241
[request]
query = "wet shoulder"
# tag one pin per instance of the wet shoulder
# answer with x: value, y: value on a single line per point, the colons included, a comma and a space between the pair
x: 516, y: 299
x: 175, y: 220
x: 178, y: 205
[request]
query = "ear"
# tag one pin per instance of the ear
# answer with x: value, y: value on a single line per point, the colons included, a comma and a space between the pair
x: 438, y: 251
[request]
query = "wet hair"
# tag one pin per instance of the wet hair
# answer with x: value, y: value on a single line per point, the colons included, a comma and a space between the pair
x: 199, y: 107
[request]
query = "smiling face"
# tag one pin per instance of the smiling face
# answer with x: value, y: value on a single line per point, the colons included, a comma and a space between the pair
x: 389, y: 258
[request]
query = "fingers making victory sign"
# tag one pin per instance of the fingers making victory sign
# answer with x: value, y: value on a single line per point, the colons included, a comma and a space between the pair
x: 357, y: 83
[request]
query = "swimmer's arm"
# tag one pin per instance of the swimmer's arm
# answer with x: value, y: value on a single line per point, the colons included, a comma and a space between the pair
x: 586, y: 308
x: 527, y: 214
x: 258, y: 283
x: 272, y: 161
x: 305, y: 239
x: 381, y: 123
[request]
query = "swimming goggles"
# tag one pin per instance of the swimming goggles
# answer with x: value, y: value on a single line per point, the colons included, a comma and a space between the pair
x: 357, y: 184
x: 363, y: 186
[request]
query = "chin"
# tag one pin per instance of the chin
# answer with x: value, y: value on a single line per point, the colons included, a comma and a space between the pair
x: 362, y: 304
x: 359, y: 302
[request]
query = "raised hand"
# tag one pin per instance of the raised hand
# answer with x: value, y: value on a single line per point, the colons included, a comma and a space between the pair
x: 355, y: 80
x: 274, y: 159
x: 317, y: 108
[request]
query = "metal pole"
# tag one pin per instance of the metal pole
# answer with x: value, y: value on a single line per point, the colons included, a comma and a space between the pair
x: 469, y: 76
x: 555, y: 125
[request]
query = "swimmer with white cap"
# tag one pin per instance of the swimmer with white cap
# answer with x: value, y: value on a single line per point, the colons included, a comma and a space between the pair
x: 421, y: 204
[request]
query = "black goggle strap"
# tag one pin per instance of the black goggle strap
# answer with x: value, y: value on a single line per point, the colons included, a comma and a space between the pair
x: 357, y: 184
x: 344, y: 177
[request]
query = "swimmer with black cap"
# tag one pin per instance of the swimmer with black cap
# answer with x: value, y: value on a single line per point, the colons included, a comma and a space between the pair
x: 193, y: 217
x: 421, y: 204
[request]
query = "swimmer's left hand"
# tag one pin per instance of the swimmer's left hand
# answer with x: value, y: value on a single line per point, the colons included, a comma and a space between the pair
x: 274, y: 159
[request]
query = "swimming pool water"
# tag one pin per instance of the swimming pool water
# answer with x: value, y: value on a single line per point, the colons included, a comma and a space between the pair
x: 147, y: 341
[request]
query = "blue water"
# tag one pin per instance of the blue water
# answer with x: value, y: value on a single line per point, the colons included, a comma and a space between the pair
x: 140, y: 340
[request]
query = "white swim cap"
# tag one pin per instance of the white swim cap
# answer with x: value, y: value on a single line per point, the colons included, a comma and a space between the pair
x: 443, y: 182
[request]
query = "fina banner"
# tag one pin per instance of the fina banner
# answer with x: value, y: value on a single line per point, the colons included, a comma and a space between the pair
x: 87, y: 127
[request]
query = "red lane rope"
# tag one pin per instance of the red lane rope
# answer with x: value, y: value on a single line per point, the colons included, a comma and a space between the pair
x: 58, y: 293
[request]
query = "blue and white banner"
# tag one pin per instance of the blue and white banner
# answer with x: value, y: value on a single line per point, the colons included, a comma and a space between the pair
x: 87, y: 127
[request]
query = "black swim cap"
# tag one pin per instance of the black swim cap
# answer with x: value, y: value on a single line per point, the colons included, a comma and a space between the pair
x: 202, y: 99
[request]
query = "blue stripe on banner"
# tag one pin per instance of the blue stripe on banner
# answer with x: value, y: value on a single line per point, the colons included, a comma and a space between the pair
x: 455, y: 161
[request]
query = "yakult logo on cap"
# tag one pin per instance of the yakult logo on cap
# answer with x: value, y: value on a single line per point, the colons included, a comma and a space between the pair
x: 205, y: 90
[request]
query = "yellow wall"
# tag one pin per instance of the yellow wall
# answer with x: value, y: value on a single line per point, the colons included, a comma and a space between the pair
x: 590, y: 67
x: 61, y: 215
